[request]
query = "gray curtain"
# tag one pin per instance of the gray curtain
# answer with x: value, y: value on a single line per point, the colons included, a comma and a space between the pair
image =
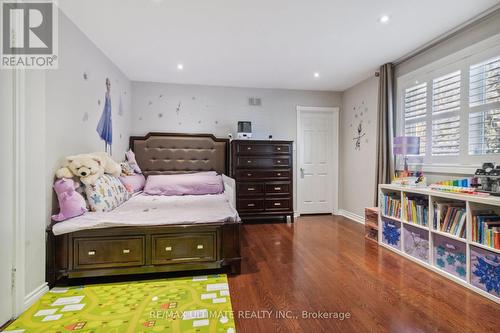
x: 385, y: 128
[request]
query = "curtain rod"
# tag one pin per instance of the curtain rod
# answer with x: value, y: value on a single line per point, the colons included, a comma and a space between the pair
x: 451, y: 33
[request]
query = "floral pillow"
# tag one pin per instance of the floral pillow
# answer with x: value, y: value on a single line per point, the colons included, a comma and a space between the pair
x: 106, y: 194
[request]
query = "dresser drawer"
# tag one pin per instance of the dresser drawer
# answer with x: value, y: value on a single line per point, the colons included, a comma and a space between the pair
x: 262, y: 174
x: 249, y: 205
x: 244, y: 148
x: 263, y: 162
x: 108, y: 252
x: 250, y: 188
x: 278, y: 204
x: 176, y: 248
x: 277, y: 188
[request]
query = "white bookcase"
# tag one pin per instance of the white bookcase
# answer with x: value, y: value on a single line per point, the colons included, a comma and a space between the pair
x: 459, y: 259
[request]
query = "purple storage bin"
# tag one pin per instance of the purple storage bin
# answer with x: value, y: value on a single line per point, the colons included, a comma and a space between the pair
x: 450, y: 256
x: 391, y: 233
x: 485, y: 270
x: 416, y: 242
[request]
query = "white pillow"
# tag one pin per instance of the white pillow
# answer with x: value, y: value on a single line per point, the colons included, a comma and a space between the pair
x: 106, y: 194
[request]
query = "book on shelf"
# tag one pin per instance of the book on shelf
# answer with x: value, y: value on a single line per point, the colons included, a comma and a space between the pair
x: 450, y: 218
x: 486, y: 229
x: 392, y: 205
x: 417, y: 211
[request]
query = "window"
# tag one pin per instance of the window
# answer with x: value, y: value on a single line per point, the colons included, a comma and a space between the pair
x: 415, y: 106
x: 446, y: 114
x: 453, y: 106
x: 484, y: 100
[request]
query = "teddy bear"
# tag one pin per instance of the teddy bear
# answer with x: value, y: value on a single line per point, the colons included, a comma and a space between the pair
x: 71, y: 203
x: 89, y: 167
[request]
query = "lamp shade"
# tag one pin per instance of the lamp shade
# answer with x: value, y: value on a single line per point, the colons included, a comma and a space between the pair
x: 406, y: 145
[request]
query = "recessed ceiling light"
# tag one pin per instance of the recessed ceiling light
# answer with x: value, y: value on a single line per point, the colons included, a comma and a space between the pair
x: 384, y: 19
x: 180, y: 67
x: 316, y: 75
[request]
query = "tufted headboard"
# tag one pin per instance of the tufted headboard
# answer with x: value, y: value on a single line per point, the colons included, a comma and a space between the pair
x: 169, y: 153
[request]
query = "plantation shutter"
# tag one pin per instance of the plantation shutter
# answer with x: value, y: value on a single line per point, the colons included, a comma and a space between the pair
x: 484, y: 103
x: 446, y: 114
x: 415, y: 112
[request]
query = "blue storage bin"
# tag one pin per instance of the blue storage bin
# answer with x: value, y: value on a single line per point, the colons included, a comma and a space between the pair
x: 450, y: 256
x: 485, y: 270
x: 391, y: 233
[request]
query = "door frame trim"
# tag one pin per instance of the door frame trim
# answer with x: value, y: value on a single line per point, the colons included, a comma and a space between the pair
x: 19, y: 191
x: 335, y: 111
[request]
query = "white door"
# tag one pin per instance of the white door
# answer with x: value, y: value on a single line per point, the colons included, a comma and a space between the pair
x: 317, y: 147
x: 6, y: 193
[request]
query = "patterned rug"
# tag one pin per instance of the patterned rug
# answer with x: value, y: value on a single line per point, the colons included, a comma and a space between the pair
x: 194, y: 304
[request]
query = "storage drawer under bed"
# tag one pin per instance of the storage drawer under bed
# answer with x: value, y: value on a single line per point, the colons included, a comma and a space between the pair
x: 177, y: 248
x: 102, y: 252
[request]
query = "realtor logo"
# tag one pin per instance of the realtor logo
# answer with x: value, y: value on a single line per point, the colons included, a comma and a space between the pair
x: 29, y: 34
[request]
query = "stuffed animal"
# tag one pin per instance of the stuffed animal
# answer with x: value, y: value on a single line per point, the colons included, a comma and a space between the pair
x: 71, y: 203
x: 89, y: 167
x: 127, y: 170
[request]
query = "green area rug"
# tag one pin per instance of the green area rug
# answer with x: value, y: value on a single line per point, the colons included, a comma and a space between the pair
x: 194, y: 304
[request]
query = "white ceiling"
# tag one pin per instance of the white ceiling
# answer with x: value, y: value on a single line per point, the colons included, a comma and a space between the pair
x: 263, y: 43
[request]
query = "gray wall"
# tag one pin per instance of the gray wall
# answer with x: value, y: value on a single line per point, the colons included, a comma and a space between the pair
x: 62, y: 112
x: 209, y: 109
x: 479, y: 31
x: 357, y: 167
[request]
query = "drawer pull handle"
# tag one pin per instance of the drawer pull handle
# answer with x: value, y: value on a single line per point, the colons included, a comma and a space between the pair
x: 249, y: 148
x: 249, y: 162
x: 278, y: 174
x: 91, y: 253
x: 251, y: 189
x: 126, y: 251
x: 279, y: 161
x: 278, y: 148
x: 199, y: 247
x: 277, y: 203
x: 249, y: 174
x: 168, y: 248
x: 251, y: 205
x: 277, y: 188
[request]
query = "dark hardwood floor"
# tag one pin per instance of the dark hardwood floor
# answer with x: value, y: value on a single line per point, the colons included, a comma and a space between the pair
x: 323, y: 263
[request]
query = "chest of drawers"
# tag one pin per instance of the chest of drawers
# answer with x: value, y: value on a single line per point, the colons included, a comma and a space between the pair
x: 263, y: 171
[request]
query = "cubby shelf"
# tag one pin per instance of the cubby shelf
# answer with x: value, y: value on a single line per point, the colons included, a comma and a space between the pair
x: 391, y: 217
x: 415, y: 225
x: 486, y: 247
x: 446, y: 234
x: 469, y: 255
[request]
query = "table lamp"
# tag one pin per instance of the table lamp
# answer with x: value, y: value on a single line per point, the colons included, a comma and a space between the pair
x: 406, y: 145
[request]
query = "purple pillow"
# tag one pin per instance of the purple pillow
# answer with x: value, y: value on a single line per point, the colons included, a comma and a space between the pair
x: 133, y: 183
x: 184, y: 184
x: 71, y: 203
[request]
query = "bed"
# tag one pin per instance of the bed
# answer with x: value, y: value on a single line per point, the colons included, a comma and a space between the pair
x: 149, y: 234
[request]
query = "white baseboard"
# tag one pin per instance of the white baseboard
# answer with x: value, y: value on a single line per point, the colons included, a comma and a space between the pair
x: 352, y: 216
x: 33, y: 296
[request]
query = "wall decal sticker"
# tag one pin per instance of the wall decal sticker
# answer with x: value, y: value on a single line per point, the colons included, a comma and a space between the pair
x: 160, y: 115
x: 99, y: 102
x: 360, y: 112
x: 161, y: 96
x: 178, y: 108
x: 85, y: 76
x: 150, y: 103
x: 85, y: 117
x: 105, y: 126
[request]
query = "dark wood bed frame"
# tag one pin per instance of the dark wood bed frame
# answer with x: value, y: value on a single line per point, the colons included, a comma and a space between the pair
x: 165, y: 248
